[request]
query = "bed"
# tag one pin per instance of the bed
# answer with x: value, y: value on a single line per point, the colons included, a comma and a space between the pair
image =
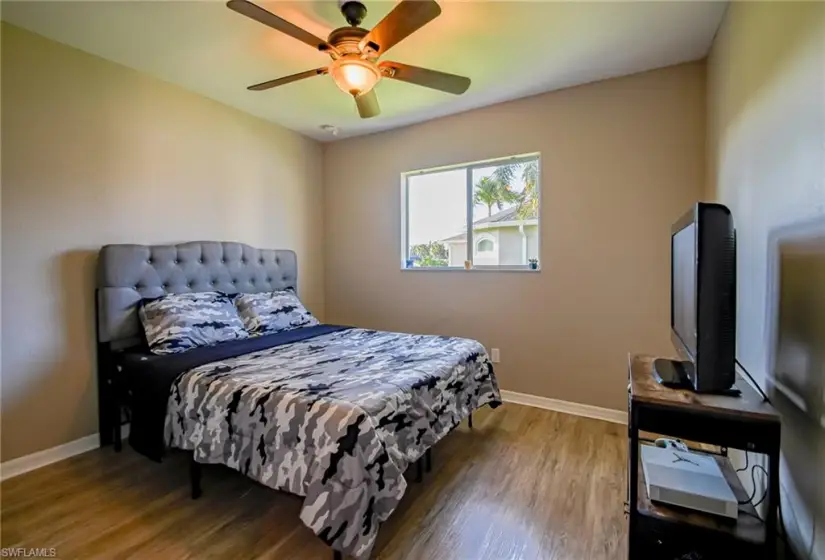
x: 332, y: 413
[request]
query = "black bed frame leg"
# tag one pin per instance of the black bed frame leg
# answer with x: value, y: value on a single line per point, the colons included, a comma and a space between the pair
x: 428, y: 460
x: 419, y: 470
x: 336, y: 555
x: 117, y: 411
x: 470, y: 420
x: 116, y: 430
x: 195, y: 477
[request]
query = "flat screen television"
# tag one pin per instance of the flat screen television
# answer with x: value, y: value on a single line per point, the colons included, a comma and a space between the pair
x: 702, y: 301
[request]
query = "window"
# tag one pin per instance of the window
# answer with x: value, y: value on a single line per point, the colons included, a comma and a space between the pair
x: 481, y: 215
x: 485, y: 246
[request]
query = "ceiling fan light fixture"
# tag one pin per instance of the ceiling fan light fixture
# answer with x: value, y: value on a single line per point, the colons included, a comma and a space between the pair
x: 354, y: 75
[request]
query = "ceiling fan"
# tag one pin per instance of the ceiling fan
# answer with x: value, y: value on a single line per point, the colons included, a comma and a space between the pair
x: 355, y: 68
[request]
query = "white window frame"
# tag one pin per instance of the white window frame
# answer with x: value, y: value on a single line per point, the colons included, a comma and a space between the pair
x: 470, y: 246
x: 485, y: 237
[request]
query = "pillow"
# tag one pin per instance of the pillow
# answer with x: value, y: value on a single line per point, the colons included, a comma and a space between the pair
x: 273, y: 312
x: 179, y: 322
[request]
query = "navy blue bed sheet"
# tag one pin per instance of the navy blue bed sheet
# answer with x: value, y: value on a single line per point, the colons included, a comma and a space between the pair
x: 148, y: 379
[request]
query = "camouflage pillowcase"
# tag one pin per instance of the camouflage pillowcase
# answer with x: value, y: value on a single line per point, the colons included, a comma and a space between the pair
x: 179, y: 322
x: 273, y: 312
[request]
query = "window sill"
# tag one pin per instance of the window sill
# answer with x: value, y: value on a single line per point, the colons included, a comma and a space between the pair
x: 476, y: 269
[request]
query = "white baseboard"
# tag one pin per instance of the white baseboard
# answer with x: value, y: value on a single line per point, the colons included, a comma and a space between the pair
x: 27, y: 463
x: 586, y: 410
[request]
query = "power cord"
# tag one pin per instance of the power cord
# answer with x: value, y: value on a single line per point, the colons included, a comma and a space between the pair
x: 782, y: 530
x: 753, y: 479
x: 747, y: 461
x: 747, y: 455
x: 753, y: 381
x: 753, y: 468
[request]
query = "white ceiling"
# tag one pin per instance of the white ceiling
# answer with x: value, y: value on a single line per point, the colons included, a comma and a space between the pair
x: 508, y: 49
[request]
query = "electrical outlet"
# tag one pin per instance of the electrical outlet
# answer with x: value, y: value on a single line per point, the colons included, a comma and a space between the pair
x: 495, y: 355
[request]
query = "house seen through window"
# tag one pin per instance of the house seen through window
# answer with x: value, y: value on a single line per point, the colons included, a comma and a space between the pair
x: 479, y: 215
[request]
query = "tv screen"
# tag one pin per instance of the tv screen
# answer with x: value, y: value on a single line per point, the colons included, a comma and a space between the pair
x: 684, y: 287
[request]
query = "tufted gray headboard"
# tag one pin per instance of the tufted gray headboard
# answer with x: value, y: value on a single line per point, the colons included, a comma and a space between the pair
x: 129, y: 273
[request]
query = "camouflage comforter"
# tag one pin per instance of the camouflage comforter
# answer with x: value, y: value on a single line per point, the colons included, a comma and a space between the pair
x: 336, y: 419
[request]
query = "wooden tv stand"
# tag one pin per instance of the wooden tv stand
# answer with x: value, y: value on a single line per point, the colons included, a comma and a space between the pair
x: 747, y: 423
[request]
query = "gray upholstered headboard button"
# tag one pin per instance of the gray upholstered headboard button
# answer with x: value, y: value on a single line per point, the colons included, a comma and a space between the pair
x: 129, y: 273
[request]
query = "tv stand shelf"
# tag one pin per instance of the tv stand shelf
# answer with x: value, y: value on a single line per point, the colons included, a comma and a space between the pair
x: 747, y: 528
x: 746, y: 422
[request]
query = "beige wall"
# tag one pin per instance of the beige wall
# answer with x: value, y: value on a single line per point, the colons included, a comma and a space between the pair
x: 621, y: 160
x: 96, y: 153
x: 766, y: 161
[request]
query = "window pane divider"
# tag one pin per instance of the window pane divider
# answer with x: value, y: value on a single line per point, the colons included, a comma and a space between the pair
x: 406, y: 215
x: 470, y: 206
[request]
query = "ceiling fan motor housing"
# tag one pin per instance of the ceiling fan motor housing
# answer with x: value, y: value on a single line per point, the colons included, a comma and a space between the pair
x: 346, y: 39
x: 353, y: 11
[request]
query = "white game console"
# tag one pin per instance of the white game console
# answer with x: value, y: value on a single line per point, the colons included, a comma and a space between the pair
x: 687, y: 479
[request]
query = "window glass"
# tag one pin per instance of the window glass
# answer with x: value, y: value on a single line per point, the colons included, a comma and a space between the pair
x: 496, y: 203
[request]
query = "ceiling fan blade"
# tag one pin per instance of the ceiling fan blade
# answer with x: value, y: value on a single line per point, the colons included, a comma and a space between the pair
x: 257, y: 13
x: 287, y: 79
x: 368, y: 104
x: 406, y: 18
x: 426, y: 77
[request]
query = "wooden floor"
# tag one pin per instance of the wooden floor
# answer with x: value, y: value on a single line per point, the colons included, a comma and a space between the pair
x: 525, y: 483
